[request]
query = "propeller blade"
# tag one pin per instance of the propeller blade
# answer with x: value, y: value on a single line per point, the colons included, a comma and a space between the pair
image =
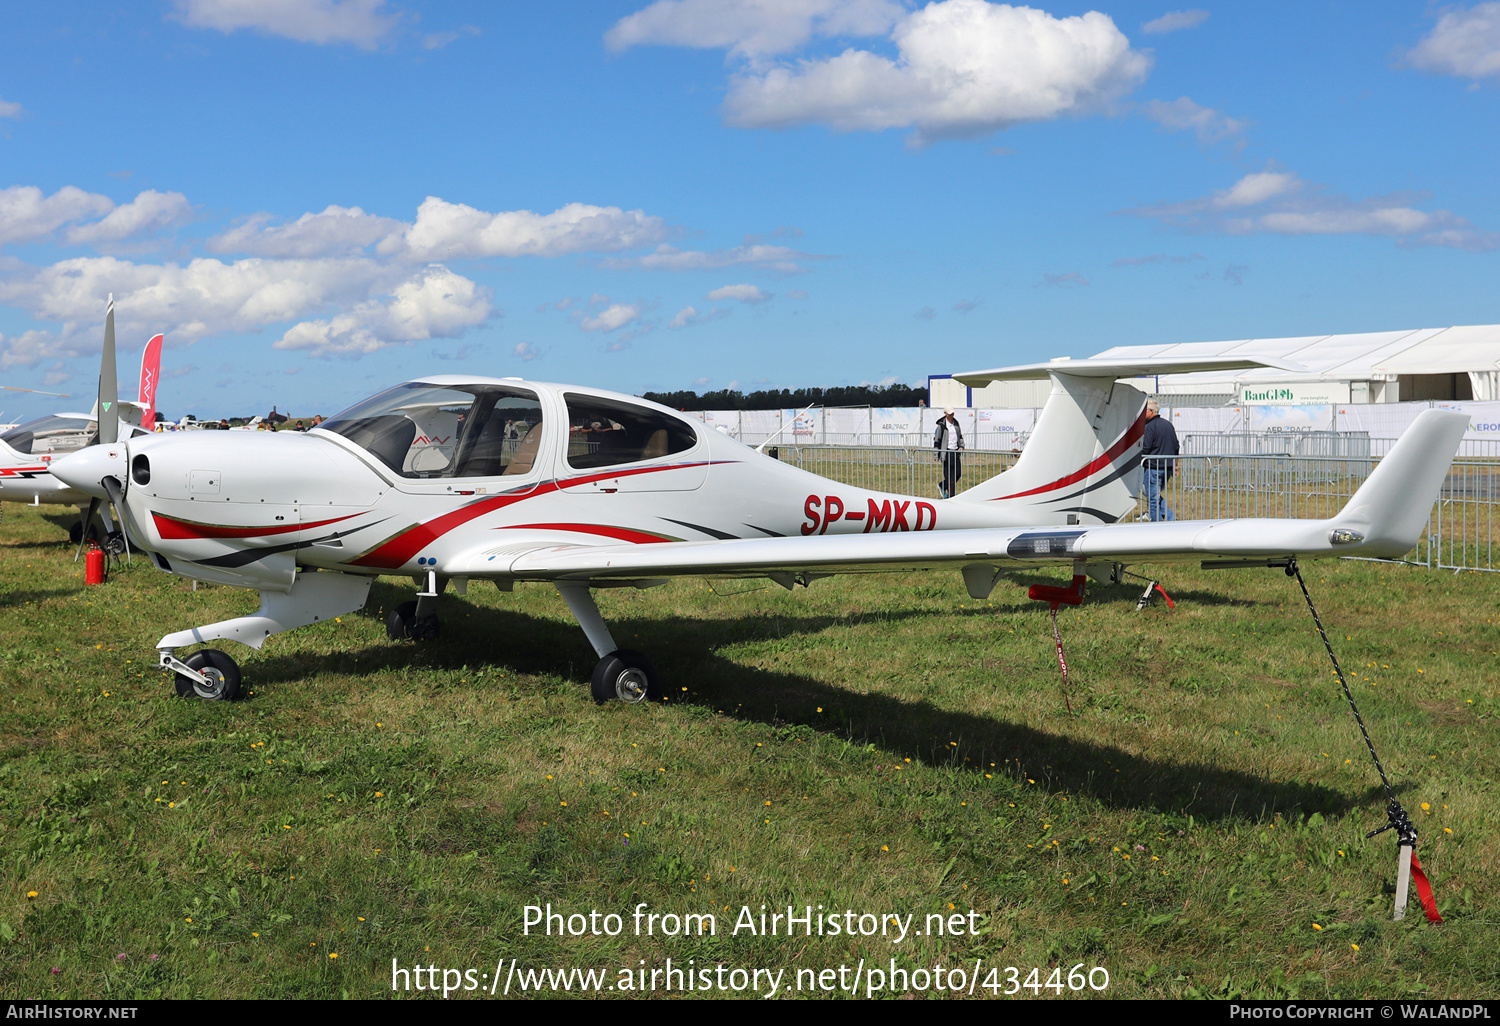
x: 34, y: 391
x: 88, y: 518
x: 109, y: 390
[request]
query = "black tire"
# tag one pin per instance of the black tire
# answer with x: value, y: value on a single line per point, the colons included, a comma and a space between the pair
x: 222, y: 671
x: 627, y: 676
x: 75, y: 532
x: 402, y: 624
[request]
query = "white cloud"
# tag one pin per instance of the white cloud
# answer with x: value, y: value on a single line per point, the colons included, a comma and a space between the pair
x: 782, y: 259
x: 1182, y: 114
x: 1174, y: 21
x: 689, y: 316
x: 9, y: 109
x: 342, y: 281
x: 1280, y: 203
x: 26, y: 214
x: 337, y: 230
x: 150, y: 211
x: 187, y: 302
x: 750, y: 28
x: 447, y: 231
x: 434, y: 303
x: 525, y: 352
x: 612, y: 318
x: 438, y: 40
x: 32, y: 347
x: 965, y: 68
x: 362, y: 23
x: 751, y: 295
x: 1465, y: 43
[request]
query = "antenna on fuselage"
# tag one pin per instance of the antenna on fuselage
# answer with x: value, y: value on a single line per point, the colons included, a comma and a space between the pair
x: 772, y: 437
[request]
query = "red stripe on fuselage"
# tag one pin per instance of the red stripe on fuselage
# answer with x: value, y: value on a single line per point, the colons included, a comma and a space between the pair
x: 618, y: 533
x: 14, y: 471
x: 1132, y: 434
x: 172, y: 529
x: 400, y: 549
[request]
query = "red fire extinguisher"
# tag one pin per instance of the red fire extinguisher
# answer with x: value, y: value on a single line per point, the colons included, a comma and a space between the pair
x: 95, y: 566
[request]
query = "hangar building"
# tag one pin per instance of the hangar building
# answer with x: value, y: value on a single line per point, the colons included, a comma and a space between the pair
x: 1456, y: 363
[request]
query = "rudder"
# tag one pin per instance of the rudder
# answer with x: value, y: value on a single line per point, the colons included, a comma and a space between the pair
x: 1081, y: 464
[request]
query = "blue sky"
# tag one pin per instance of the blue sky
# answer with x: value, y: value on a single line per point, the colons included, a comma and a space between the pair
x: 317, y: 199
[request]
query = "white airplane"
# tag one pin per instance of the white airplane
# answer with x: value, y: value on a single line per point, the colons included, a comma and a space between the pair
x: 27, y: 450
x: 451, y: 479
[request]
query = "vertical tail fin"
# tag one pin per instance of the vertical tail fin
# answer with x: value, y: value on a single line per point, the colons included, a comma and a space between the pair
x: 1081, y: 464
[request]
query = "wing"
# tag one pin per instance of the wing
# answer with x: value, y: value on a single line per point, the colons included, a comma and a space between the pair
x: 1383, y: 519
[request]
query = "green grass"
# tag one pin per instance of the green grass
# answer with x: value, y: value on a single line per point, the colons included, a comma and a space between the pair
x: 881, y: 744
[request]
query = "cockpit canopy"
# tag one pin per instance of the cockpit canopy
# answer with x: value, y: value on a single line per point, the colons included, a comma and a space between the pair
x: 52, y: 435
x: 434, y: 431
x: 493, y: 429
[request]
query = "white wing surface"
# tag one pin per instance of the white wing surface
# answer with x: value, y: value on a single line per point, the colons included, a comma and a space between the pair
x: 1383, y: 519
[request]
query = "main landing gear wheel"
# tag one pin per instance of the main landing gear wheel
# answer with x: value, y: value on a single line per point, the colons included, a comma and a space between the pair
x: 75, y: 533
x: 403, y: 624
x: 626, y: 675
x: 222, y: 672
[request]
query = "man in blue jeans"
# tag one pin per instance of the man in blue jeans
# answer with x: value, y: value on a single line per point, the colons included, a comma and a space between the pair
x: 1158, y: 446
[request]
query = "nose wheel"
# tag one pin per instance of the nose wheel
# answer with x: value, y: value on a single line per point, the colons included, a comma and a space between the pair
x: 626, y: 675
x: 221, y: 677
x: 403, y: 623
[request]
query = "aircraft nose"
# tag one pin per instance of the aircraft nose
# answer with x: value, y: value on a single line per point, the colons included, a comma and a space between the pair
x: 84, y: 469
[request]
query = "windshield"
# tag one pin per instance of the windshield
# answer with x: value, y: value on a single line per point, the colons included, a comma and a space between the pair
x: 50, y: 435
x: 435, y: 431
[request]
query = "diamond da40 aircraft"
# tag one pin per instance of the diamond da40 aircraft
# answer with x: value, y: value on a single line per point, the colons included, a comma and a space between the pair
x: 452, y: 479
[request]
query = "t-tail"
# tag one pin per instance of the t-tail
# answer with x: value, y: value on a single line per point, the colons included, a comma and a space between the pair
x: 1082, y: 463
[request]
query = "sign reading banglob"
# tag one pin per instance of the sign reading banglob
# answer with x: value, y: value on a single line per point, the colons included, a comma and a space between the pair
x: 1296, y: 393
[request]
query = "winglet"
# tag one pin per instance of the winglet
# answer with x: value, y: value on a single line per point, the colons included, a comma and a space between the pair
x: 1392, y: 506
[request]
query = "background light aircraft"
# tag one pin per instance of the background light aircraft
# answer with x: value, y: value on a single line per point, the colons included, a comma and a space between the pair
x: 27, y: 450
x: 452, y: 479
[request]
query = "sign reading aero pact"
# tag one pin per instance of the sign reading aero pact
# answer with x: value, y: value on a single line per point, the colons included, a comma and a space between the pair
x: 1298, y: 393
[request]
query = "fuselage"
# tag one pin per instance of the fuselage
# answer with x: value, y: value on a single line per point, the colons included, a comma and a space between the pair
x: 428, y: 471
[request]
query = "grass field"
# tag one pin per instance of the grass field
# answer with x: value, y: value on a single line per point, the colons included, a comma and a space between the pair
x: 884, y: 745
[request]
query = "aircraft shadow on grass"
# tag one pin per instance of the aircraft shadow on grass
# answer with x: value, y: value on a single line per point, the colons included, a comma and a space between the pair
x: 10, y: 599
x: 687, y: 654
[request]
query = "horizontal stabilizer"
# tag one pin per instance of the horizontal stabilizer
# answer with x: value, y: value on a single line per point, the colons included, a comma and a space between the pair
x: 1115, y: 369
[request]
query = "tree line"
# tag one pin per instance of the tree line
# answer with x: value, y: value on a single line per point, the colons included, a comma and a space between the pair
x: 786, y: 399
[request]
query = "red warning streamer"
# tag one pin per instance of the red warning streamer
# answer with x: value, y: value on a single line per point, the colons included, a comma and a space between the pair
x: 1057, y: 596
x: 1424, y: 890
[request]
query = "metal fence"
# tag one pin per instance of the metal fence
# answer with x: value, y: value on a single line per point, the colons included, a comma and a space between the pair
x: 1460, y: 534
x: 1341, y: 444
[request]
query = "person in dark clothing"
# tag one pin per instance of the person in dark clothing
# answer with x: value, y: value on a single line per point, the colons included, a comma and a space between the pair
x: 948, y: 439
x: 1158, y: 445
